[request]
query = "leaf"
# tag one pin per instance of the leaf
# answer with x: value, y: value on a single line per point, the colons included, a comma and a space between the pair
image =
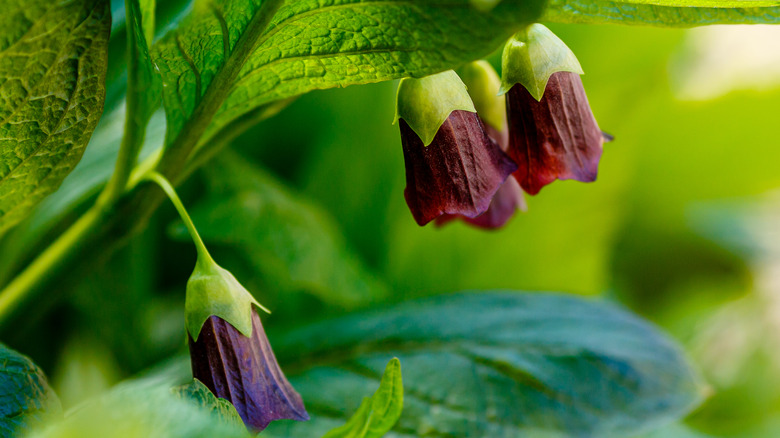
x: 316, y: 45
x: 293, y: 243
x: 666, y: 13
x: 497, y: 364
x: 138, y: 409
x: 198, y: 393
x: 52, y: 73
x: 379, y: 413
x: 26, y: 400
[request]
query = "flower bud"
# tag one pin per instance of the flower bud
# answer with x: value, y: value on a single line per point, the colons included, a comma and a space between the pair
x: 452, y: 166
x: 552, y: 131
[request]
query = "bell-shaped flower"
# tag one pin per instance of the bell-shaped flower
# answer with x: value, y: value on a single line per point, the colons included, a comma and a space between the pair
x: 230, y: 352
x: 552, y: 131
x: 452, y: 166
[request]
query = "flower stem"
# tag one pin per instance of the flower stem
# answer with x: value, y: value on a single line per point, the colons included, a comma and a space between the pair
x: 203, y: 253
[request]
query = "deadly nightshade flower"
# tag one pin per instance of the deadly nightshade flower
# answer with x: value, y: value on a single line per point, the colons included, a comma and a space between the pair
x: 452, y: 165
x: 483, y: 85
x: 229, y: 349
x: 235, y: 360
x: 552, y: 131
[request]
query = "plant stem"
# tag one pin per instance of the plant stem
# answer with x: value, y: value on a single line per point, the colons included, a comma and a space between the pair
x: 49, y: 260
x: 134, y: 204
x: 203, y: 253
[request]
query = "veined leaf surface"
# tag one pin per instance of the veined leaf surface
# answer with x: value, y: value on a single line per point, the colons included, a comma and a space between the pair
x: 52, y: 73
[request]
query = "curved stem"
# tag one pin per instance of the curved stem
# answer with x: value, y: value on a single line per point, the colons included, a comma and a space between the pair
x: 203, y: 253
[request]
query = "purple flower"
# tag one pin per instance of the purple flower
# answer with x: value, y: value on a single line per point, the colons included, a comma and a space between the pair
x: 555, y: 138
x: 458, y: 173
x: 244, y: 371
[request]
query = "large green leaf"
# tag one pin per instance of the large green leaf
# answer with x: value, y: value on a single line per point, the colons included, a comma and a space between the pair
x: 502, y: 364
x: 290, y: 241
x: 317, y: 44
x: 379, y: 413
x: 667, y: 13
x: 25, y: 397
x: 140, y: 409
x: 52, y: 73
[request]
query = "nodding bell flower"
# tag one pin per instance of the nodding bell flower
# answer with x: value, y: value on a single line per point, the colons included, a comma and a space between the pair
x: 229, y: 349
x: 552, y: 131
x: 483, y: 85
x: 452, y: 165
x: 230, y: 352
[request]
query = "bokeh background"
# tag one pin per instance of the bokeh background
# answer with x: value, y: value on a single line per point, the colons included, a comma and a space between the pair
x: 307, y: 210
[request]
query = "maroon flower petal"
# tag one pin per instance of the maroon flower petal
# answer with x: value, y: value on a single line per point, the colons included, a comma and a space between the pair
x: 507, y: 200
x: 556, y: 138
x: 458, y: 173
x: 244, y: 371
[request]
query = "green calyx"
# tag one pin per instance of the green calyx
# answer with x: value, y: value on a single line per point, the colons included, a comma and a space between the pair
x: 532, y: 56
x: 484, y: 87
x: 426, y: 103
x: 211, y: 290
x: 214, y: 291
x: 484, y: 5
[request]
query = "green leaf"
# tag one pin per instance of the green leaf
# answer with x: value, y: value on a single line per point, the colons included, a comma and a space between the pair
x: 198, y: 393
x: 666, y: 13
x: 292, y: 243
x: 495, y: 364
x: 317, y: 45
x: 52, y: 73
x: 142, y: 410
x: 26, y: 400
x: 379, y: 413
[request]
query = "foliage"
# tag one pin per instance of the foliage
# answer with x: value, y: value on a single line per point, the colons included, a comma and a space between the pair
x: 308, y: 213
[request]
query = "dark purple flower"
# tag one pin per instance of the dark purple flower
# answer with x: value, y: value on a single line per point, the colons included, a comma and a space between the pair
x: 507, y: 200
x: 555, y: 138
x: 244, y: 371
x: 458, y: 173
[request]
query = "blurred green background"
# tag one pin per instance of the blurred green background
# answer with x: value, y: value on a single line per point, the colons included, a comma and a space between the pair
x: 307, y: 210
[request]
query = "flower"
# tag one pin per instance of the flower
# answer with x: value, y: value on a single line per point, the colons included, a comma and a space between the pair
x: 457, y: 174
x: 452, y: 166
x: 244, y: 371
x: 552, y: 131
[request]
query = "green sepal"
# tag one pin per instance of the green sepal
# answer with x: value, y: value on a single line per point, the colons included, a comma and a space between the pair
x: 531, y: 56
x: 484, y: 87
x: 213, y: 291
x: 425, y: 103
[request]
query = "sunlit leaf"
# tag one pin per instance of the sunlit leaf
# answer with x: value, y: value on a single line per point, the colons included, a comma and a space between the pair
x: 668, y: 13
x: 379, y: 413
x: 52, y: 72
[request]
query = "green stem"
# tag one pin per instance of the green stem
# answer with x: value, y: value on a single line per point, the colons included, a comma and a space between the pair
x: 203, y: 253
x: 48, y: 261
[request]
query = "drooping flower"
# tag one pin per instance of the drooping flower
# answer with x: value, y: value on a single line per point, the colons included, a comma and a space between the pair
x: 552, y: 131
x: 230, y: 352
x: 452, y: 166
x: 244, y: 371
x: 229, y: 349
x: 555, y: 138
